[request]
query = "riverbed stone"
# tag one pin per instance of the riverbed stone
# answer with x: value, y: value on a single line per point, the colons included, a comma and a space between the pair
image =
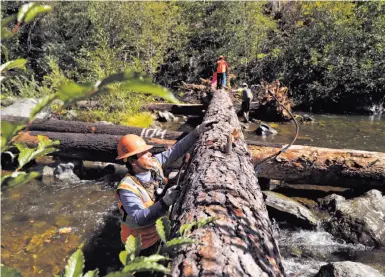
x: 348, y: 269
x: 359, y: 219
x: 265, y: 130
x: 284, y: 208
x: 64, y: 172
x: 165, y: 116
x: 23, y: 108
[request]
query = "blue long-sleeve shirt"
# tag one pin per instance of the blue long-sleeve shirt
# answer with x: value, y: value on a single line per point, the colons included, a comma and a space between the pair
x: 133, y: 205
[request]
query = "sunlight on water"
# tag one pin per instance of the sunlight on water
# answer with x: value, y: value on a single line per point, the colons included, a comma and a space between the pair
x: 42, y: 224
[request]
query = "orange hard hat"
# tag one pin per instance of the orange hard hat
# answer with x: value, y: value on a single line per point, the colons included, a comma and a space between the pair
x: 130, y: 145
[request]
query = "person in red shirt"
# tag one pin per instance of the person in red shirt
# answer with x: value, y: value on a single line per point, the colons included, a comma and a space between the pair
x: 222, y: 69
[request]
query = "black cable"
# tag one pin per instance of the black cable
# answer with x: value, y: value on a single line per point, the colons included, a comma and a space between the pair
x: 258, y: 165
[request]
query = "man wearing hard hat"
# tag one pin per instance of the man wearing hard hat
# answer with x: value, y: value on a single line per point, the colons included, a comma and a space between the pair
x: 136, y: 190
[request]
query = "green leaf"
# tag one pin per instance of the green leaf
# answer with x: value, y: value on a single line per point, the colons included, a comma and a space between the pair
x: 145, y: 266
x: 35, y: 11
x: 143, y: 84
x: 163, y: 228
x: 5, y: 21
x: 205, y: 221
x: 6, y: 34
x: 24, y: 10
x: 123, y: 255
x: 153, y: 258
x: 92, y: 273
x: 45, y: 146
x: 179, y: 241
x: 44, y: 102
x: 133, y: 246
x: 9, y: 272
x: 72, y: 92
x: 19, y: 63
x: 185, y: 227
x: 17, y: 178
x: 75, y: 265
x: 8, y: 130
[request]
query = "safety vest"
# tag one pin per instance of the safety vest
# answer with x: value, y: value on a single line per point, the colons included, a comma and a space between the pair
x: 221, y: 66
x: 128, y: 226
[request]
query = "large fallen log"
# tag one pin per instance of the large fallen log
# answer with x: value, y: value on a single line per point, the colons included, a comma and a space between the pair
x: 323, y: 166
x: 299, y: 164
x: 224, y: 185
x: 86, y: 146
x: 93, y: 128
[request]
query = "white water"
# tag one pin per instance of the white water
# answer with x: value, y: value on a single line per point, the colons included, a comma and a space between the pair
x: 304, y: 251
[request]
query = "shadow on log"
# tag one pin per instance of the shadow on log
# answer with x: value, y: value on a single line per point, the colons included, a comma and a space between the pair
x: 224, y: 185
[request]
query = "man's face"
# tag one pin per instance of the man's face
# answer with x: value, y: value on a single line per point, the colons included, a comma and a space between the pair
x: 145, y: 160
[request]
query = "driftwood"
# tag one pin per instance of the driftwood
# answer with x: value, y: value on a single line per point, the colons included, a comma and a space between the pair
x: 224, y: 185
x: 268, y: 108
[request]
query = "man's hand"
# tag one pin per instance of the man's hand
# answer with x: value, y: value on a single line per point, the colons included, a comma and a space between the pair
x: 205, y: 126
x: 171, y: 195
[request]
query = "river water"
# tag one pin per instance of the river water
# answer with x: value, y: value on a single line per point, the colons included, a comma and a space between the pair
x: 332, y: 131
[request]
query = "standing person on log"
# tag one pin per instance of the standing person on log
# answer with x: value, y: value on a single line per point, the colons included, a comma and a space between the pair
x: 136, y: 190
x: 247, y: 97
x: 222, y: 69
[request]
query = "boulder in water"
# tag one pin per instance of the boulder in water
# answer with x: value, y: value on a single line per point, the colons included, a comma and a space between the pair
x: 359, y: 219
x: 265, y: 130
x: 165, y: 116
x: 348, y: 269
x: 65, y: 172
x: 287, y: 209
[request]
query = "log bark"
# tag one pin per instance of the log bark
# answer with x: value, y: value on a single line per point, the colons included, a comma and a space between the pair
x: 94, y: 128
x: 221, y: 185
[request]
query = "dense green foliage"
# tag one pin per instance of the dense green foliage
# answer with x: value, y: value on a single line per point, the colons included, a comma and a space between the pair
x: 330, y: 54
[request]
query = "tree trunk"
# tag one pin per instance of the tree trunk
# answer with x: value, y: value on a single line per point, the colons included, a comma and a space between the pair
x: 93, y: 128
x: 221, y: 185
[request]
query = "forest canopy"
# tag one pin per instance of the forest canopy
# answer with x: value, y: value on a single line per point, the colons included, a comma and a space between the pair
x: 330, y: 54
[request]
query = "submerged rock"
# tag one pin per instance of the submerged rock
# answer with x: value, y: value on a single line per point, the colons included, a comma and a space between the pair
x: 265, y: 130
x: 287, y: 209
x: 360, y: 219
x: 348, y: 269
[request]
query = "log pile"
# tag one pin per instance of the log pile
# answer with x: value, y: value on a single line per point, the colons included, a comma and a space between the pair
x: 220, y: 182
x: 299, y: 164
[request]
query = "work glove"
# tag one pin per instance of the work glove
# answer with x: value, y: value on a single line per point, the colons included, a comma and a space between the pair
x: 171, y: 195
x: 205, y: 126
